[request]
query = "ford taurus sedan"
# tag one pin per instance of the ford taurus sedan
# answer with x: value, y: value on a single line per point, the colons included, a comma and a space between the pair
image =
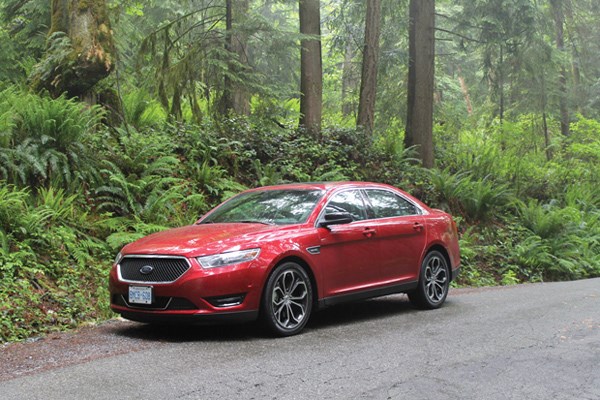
x: 277, y: 253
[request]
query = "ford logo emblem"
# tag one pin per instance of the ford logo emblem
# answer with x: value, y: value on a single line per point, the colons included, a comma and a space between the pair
x: 146, y: 270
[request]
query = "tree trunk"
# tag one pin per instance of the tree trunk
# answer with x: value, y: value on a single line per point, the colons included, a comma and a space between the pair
x: 80, y: 48
x: 348, y: 79
x: 176, y: 113
x: 235, y: 96
x: 193, y: 98
x: 162, y: 90
x: 559, y: 21
x: 545, y: 119
x: 311, y: 71
x: 368, y: 83
x: 465, y: 91
x: 419, y: 118
x: 501, y: 87
x: 575, y: 57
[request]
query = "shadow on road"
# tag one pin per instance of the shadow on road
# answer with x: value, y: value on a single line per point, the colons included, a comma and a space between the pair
x: 360, y: 311
x: 345, y: 314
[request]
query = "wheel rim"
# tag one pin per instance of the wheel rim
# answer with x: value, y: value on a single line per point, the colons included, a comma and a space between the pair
x: 436, y: 279
x: 290, y: 299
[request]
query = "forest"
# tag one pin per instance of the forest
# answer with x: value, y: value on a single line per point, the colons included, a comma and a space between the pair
x: 121, y: 118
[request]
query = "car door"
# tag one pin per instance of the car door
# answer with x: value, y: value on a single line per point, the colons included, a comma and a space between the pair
x: 401, y: 235
x: 347, y: 253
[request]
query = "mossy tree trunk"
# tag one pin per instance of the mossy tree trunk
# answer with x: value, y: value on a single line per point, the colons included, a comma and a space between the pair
x: 235, y: 97
x: 559, y: 21
x: 80, y: 50
x: 311, y: 68
x: 421, y: 65
x: 368, y: 83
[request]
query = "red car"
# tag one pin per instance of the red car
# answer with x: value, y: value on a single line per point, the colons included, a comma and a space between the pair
x: 280, y: 252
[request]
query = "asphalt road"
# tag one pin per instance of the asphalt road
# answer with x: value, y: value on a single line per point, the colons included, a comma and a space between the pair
x: 525, y: 342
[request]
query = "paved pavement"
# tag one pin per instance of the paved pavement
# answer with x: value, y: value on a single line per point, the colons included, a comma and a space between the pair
x: 537, y: 341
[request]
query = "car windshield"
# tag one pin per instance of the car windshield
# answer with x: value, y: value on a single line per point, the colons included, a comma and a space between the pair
x: 279, y: 207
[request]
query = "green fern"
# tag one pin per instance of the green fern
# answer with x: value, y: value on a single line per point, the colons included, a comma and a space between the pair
x: 43, y: 140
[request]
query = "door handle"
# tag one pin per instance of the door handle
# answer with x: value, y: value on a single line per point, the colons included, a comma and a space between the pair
x: 368, y: 232
x: 418, y: 227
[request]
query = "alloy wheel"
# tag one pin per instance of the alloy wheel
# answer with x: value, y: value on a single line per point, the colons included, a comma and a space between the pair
x: 436, y: 279
x: 290, y: 299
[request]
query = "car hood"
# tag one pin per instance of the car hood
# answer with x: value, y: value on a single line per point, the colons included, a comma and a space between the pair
x: 203, y: 239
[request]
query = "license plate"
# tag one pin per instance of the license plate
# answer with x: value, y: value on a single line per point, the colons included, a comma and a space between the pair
x: 140, y: 294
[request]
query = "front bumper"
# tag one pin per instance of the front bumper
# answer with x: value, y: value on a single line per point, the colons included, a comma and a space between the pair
x: 228, y: 294
x: 194, y: 319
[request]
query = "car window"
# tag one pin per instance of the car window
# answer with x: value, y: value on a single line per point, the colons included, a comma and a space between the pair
x: 278, y: 207
x: 348, y: 201
x: 385, y: 204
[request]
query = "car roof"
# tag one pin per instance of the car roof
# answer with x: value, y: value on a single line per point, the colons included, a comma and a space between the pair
x: 327, y: 186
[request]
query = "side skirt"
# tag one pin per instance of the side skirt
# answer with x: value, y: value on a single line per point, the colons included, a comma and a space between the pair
x: 367, y: 294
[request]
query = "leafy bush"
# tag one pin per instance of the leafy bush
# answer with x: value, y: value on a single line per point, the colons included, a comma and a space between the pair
x: 43, y: 140
x: 141, y: 110
x: 75, y: 192
x: 51, y: 271
x: 478, y: 200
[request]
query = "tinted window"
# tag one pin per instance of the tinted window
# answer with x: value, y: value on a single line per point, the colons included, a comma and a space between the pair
x: 268, y: 206
x: 349, y: 201
x: 387, y: 204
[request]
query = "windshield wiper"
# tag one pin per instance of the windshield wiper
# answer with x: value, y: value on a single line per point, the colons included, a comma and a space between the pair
x: 253, y: 221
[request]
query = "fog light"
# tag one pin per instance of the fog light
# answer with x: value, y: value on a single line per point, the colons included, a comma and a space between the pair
x: 227, y: 301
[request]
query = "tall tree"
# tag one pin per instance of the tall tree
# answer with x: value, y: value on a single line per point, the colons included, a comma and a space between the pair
x: 348, y: 78
x: 311, y: 69
x: 559, y: 22
x: 235, y: 96
x: 80, y: 49
x: 419, y: 118
x: 368, y: 84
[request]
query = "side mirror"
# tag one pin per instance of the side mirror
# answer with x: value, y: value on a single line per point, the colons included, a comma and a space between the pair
x: 335, y: 219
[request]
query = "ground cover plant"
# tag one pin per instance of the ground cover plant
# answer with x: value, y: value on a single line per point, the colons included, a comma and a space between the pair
x: 57, y: 239
x: 177, y: 106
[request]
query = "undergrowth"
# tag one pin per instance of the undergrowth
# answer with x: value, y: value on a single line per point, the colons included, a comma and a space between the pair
x: 74, y: 191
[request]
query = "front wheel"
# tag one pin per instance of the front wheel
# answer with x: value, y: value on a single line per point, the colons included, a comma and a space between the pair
x: 434, y: 281
x: 287, y: 301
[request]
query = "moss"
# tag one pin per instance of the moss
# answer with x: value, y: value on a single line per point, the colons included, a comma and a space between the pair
x: 90, y: 59
x: 59, y: 17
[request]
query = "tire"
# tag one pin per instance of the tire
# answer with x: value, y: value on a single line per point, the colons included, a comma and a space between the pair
x: 288, y: 299
x: 434, y: 281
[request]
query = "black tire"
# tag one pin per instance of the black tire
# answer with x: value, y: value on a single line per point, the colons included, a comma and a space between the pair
x: 434, y: 281
x: 288, y: 299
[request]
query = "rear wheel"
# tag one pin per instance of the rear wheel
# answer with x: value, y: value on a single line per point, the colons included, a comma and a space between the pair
x: 434, y: 282
x: 288, y: 298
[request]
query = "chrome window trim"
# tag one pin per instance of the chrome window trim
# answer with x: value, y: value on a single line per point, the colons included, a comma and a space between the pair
x: 151, y: 256
x: 420, y: 210
x: 338, y: 191
x: 365, y: 197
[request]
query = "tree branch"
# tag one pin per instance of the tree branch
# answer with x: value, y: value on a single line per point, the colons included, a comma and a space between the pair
x: 459, y: 35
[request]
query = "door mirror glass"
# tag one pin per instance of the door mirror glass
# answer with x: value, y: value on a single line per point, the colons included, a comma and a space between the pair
x: 339, y: 218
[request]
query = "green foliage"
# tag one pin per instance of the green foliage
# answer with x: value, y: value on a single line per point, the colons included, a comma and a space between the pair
x: 478, y: 200
x: 23, y: 27
x: 51, y: 271
x: 522, y: 218
x: 561, y: 242
x: 59, y: 57
x: 43, y: 140
x: 75, y: 190
x: 142, y: 110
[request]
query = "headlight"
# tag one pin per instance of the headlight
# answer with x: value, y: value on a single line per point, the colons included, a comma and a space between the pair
x: 229, y: 258
x: 118, y: 258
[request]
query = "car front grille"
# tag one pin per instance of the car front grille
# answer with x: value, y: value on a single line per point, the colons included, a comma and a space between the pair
x: 152, y: 269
